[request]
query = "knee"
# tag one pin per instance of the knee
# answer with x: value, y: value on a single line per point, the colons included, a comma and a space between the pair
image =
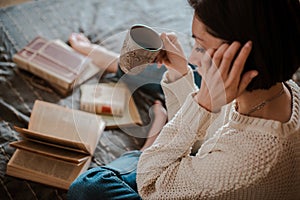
x: 91, y: 185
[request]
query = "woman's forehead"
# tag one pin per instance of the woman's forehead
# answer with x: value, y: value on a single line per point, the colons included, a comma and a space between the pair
x: 198, y: 27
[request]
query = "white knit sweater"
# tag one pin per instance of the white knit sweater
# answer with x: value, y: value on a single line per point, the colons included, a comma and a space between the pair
x: 240, y: 157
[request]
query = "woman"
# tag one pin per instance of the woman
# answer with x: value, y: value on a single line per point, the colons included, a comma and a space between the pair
x: 245, y: 114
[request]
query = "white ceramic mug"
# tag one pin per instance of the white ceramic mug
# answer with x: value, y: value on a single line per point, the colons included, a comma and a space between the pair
x: 141, y: 46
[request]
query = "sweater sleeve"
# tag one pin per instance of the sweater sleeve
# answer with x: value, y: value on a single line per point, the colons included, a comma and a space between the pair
x: 176, y: 92
x: 166, y: 170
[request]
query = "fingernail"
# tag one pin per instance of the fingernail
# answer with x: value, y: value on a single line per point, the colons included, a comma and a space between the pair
x: 156, y: 102
x: 254, y: 74
x: 74, y: 35
x: 249, y: 44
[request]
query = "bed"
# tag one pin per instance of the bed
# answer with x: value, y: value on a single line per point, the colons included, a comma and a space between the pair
x: 104, y: 22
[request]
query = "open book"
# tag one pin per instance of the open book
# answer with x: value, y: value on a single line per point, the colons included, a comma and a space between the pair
x: 57, y: 146
x: 55, y: 62
x: 113, y: 102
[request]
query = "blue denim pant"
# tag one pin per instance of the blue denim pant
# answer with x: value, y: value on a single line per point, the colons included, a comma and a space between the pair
x: 116, y: 180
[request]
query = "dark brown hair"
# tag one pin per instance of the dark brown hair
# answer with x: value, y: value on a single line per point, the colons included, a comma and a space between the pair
x: 272, y: 25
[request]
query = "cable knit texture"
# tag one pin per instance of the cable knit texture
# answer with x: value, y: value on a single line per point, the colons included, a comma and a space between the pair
x: 240, y: 158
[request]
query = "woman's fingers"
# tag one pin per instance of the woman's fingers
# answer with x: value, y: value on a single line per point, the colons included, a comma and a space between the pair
x: 221, y: 70
x: 162, y: 57
x: 218, y: 55
x: 172, y: 37
x: 172, y: 55
x: 235, y: 81
x: 245, y: 80
x: 206, y: 62
x: 240, y: 60
x: 228, y: 57
x: 170, y: 43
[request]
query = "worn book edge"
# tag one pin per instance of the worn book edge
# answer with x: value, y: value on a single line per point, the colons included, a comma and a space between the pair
x: 48, y: 159
x: 58, y: 152
x: 71, y: 144
x: 23, y: 164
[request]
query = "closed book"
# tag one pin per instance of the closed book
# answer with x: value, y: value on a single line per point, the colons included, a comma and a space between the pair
x: 113, y: 102
x: 103, y: 99
x: 53, y: 61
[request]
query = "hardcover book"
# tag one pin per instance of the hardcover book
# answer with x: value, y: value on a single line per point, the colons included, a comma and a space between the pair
x: 112, y: 101
x: 56, y: 62
x: 57, y: 146
x: 103, y: 99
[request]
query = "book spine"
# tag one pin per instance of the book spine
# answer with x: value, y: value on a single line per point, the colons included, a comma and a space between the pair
x: 21, y: 62
x: 101, y: 109
x: 49, y: 76
x: 104, y: 109
x: 88, y: 107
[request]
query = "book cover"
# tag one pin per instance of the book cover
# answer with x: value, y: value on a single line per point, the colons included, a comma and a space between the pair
x: 55, y: 62
x: 103, y: 99
x: 57, y: 146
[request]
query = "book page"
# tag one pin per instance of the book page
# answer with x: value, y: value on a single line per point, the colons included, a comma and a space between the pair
x: 66, y: 124
x: 51, y: 140
x: 45, y: 165
x: 48, y: 150
x: 43, y: 169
